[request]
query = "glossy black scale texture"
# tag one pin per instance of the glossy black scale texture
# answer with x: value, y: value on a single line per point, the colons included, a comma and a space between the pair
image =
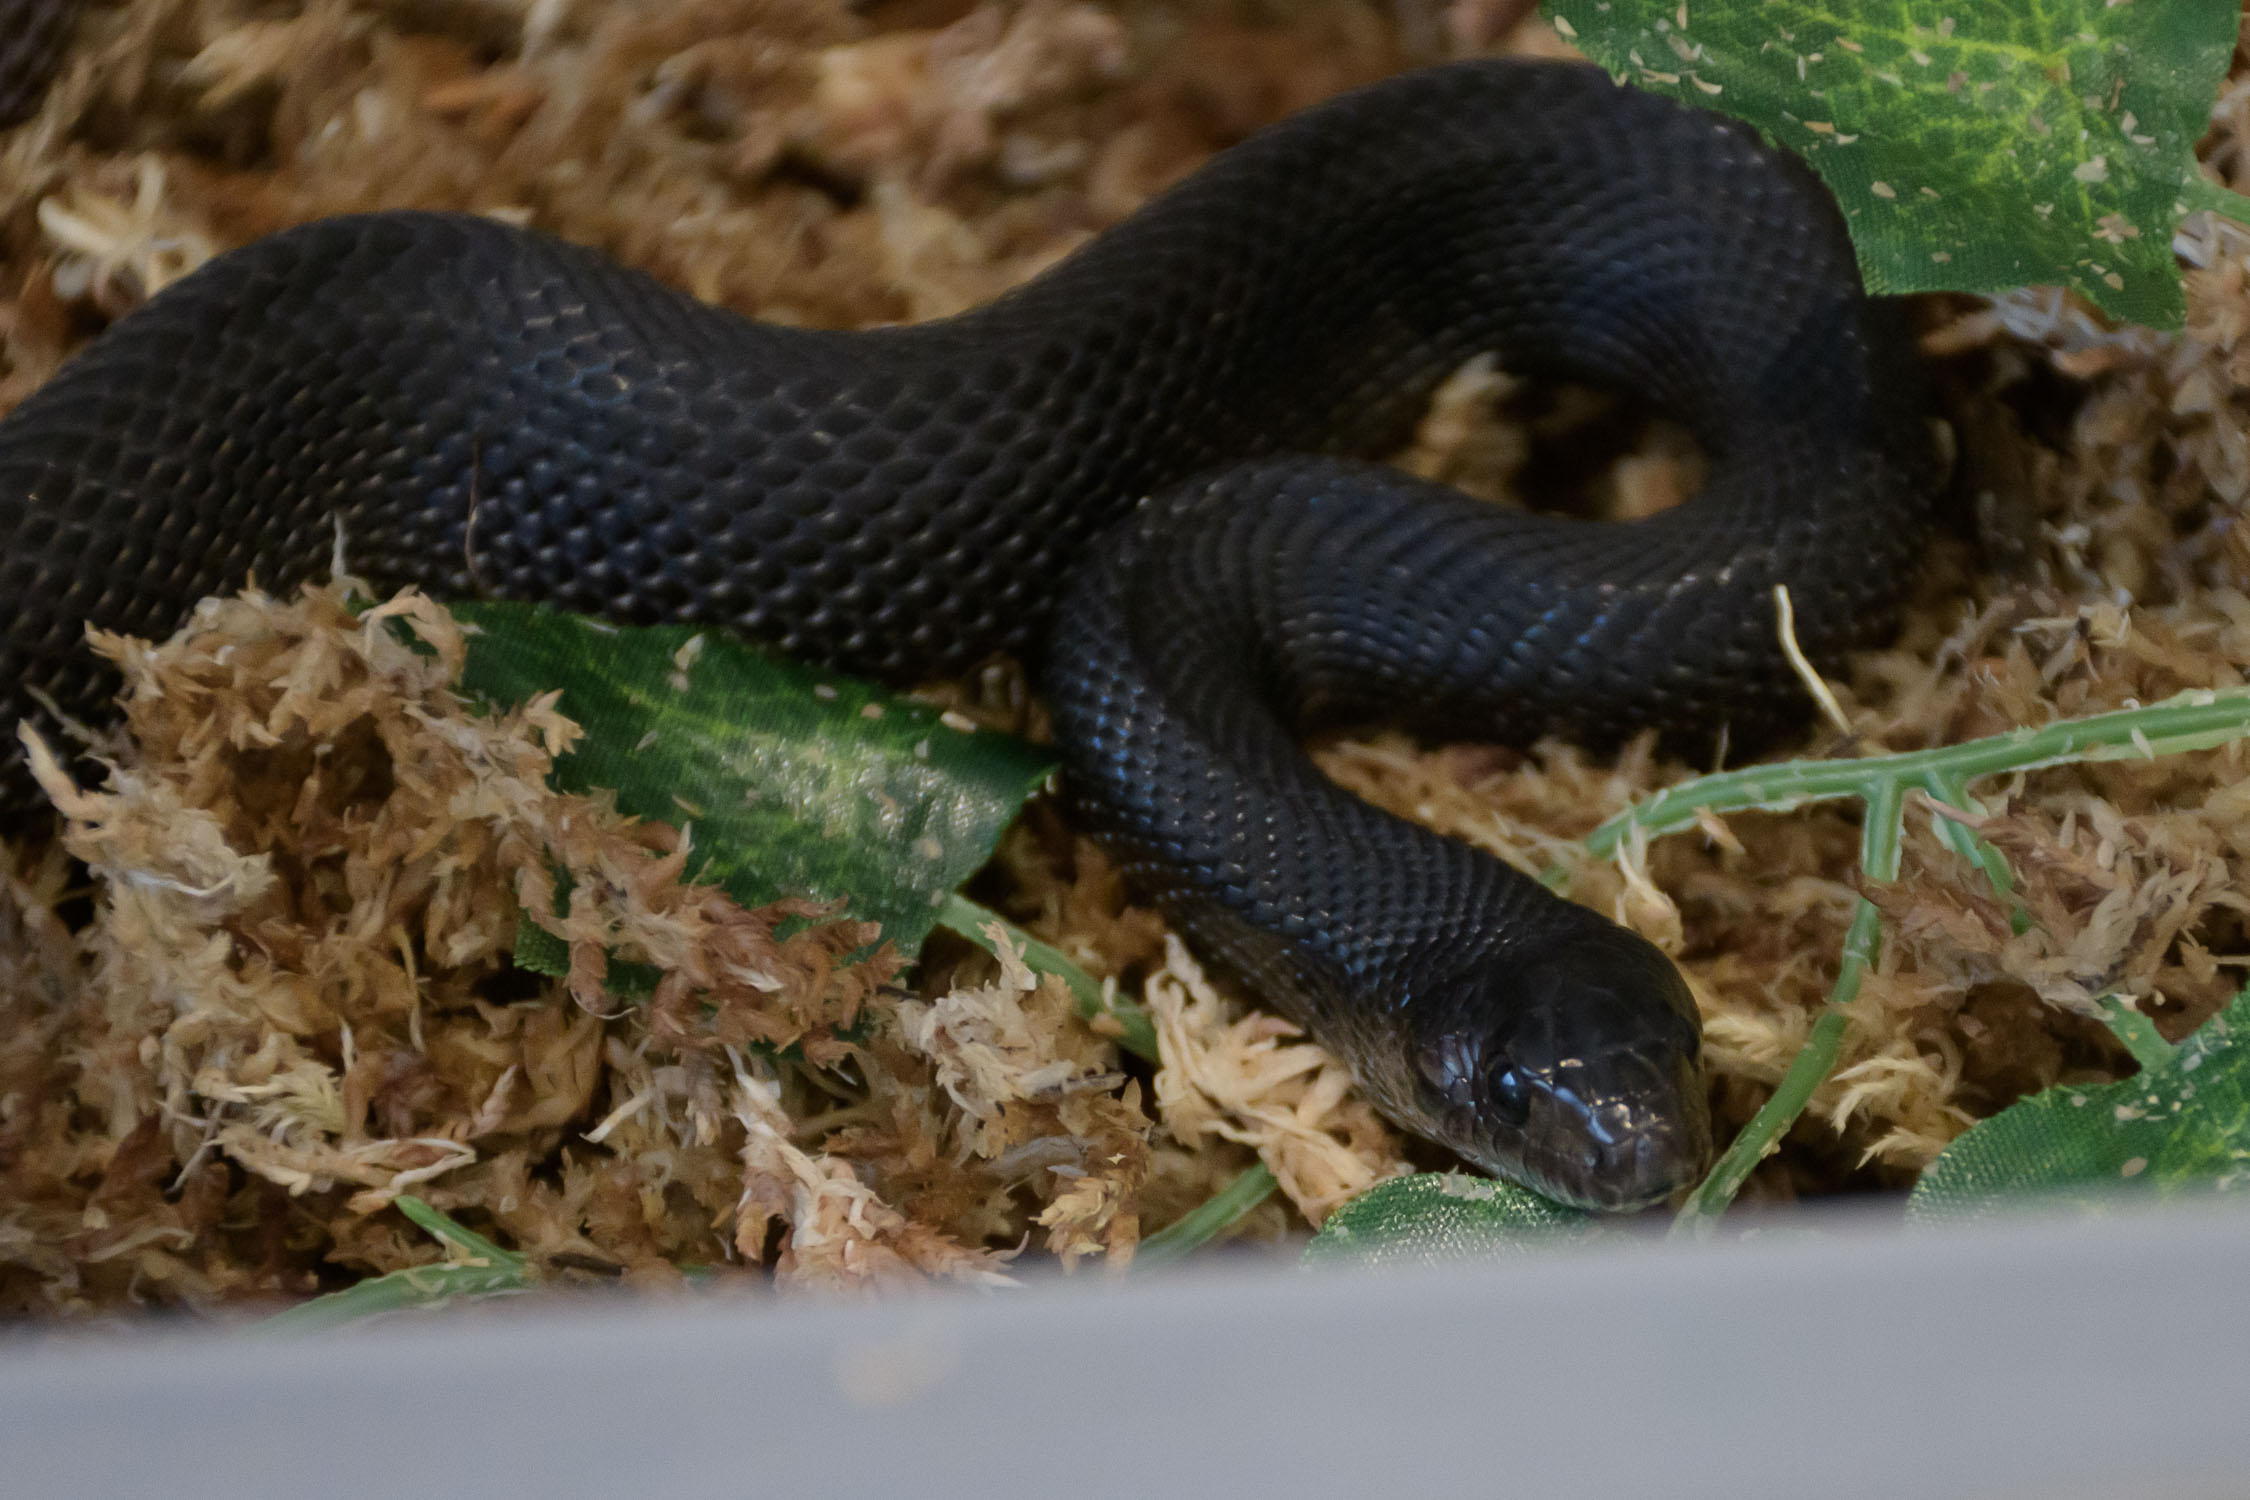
x: 488, y: 411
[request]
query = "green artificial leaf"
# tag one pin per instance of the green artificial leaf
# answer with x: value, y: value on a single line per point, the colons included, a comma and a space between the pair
x: 1974, y: 147
x: 2181, y: 1124
x: 1437, y: 1217
x: 793, y: 781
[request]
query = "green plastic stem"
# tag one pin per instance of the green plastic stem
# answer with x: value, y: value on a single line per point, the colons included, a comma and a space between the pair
x: 1196, y: 1228
x: 484, y: 1270
x: 1137, y: 1033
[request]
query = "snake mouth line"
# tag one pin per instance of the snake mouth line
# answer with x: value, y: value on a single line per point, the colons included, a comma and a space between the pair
x: 1644, y: 1155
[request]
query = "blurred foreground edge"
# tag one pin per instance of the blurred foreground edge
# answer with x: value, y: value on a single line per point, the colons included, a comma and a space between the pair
x: 2032, y: 1357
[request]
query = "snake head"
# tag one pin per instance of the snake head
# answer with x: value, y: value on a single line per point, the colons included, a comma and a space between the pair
x: 1574, y: 1069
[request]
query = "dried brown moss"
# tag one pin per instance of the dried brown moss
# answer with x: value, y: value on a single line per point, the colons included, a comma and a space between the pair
x: 291, y: 1002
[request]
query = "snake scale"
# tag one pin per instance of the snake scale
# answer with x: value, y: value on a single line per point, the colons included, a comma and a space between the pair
x: 1143, y: 472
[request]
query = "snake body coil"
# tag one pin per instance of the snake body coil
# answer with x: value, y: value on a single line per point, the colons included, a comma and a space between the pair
x: 491, y: 411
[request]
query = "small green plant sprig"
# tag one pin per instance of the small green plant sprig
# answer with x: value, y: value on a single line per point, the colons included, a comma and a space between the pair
x: 2200, y: 720
x: 476, y: 1268
x: 1398, y: 1211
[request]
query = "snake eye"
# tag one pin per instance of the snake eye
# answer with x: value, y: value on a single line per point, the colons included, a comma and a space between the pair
x: 1456, y: 1067
x: 1507, y: 1097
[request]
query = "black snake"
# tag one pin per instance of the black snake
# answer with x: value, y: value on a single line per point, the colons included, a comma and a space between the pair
x: 908, y: 501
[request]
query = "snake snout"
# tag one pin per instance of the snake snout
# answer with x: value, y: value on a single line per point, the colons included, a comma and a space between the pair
x: 1575, y: 1070
x: 1644, y: 1135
